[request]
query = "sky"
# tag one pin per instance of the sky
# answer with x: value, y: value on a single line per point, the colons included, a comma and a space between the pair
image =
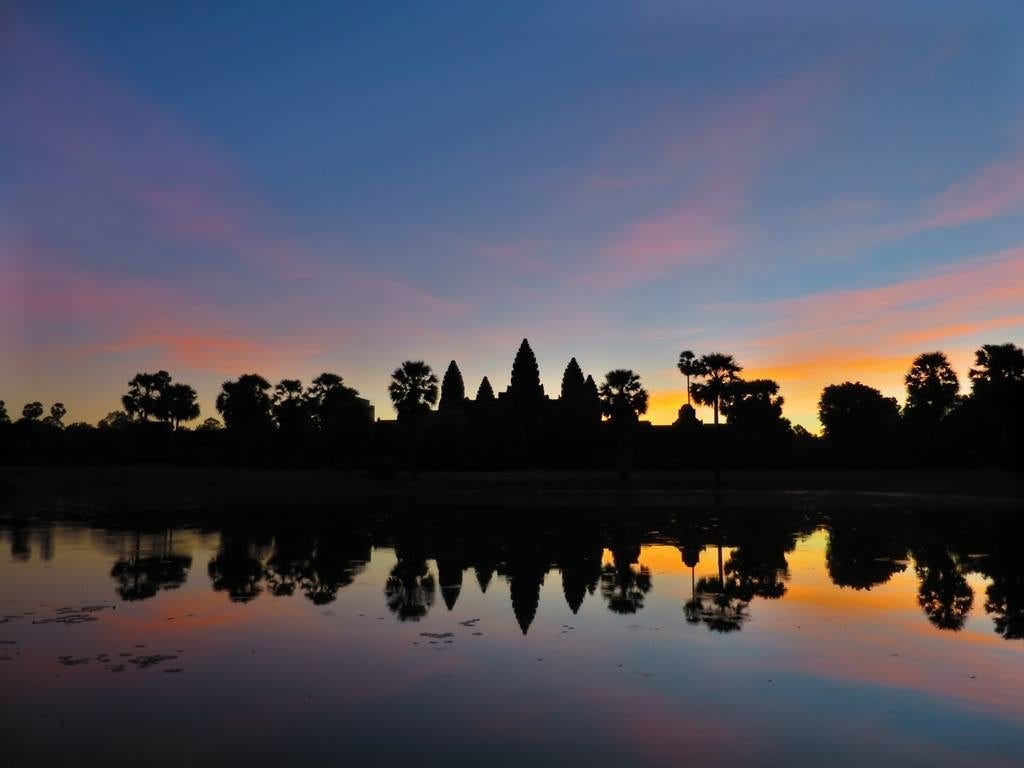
x: 823, y: 190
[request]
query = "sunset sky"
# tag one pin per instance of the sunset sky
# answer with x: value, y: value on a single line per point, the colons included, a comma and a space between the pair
x: 821, y: 189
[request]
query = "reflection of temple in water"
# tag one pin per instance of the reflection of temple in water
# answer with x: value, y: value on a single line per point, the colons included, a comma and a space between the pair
x: 742, y: 558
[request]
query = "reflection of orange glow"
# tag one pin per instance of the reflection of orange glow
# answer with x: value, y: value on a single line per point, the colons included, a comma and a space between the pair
x: 667, y: 560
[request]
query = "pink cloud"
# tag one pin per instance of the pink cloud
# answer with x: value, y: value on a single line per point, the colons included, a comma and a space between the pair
x: 720, y: 159
x: 988, y: 286
x: 994, y: 190
x: 134, y: 234
x: 873, y: 333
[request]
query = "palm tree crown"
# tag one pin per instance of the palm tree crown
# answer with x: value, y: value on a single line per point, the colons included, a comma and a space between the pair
x: 689, y: 365
x: 622, y: 396
x: 718, y: 371
x: 932, y: 385
x: 413, y: 389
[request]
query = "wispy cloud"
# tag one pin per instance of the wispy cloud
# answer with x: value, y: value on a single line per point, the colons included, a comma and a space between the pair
x: 873, y: 333
x: 126, y: 229
x: 719, y: 160
x: 994, y: 190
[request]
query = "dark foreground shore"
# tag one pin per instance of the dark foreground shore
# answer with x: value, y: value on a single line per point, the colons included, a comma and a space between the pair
x: 69, y: 491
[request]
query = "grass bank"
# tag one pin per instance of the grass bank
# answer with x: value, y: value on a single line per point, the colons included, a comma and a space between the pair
x: 73, y: 490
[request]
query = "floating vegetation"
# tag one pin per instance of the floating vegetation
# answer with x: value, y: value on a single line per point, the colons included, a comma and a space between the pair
x: 70, y: 661
x: 71, y: 615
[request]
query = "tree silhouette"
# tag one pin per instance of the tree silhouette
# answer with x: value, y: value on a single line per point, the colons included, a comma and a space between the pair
x: 485, y: 393
x: 410, y: 589
x: 56, y: 417
x: 754, y: 405
x: 289, y: 406
x: 141, y: 576
x: 245, y: 403
x: 622, y: 585
x: 453, y: 390
x: 179, y: 404
x: 758, y: 568
x: 32, y: 411
x: 932, y: 387
x: 413, y: 390
x: 4, y: 418
x: 855, y: 416
x: 237, y: 568
x: 144, y: 399
x: 718, y: 371
x: 155, y: 396
x: 862, y: 555
x: 115, y: 420
x: 943, y: 592
x: 717, y: 610
x: 689, y: 365
x: 997, y: 365
x: 335, y: 563
x: 337, y: 408
x: 997, y: 398
x: 715, y: 604
x: 623, y: 399
x: 322, y: 385
x: 1004, y: 601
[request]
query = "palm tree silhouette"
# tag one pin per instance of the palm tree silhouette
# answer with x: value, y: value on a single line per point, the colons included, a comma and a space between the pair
x: 622, y: 585
x: 716, y: 603
x: 413, y: 390
x: 622, y: 397
x: 409, y: 589
x: 932, y: 385
x: 718, y: 371
x: 622, y: 401
x: 689, y: 365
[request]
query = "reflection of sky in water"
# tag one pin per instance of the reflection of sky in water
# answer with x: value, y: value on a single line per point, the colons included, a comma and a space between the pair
x: 821, y: 674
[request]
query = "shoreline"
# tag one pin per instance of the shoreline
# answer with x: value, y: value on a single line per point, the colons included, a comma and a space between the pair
x: 146, y: 489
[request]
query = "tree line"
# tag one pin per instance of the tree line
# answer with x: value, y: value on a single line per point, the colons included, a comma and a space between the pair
x: 587, y: 425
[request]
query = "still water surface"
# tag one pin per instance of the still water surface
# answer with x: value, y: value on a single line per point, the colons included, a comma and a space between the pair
x: 742, y: 638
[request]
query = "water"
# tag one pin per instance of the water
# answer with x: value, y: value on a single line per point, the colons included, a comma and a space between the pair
x: 801, y: 636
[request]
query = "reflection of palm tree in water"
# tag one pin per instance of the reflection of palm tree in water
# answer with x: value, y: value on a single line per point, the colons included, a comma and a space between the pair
x: 140, y: 577
x: 410, y: 589
x: 237, y: 568
x: 623, y: 586
x: 335, y: 564
x: 691, y: 559
x: 317, y: 566
x: 715, y: 604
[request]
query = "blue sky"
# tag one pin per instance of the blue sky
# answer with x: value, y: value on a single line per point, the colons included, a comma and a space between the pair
x: 822, y: 191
